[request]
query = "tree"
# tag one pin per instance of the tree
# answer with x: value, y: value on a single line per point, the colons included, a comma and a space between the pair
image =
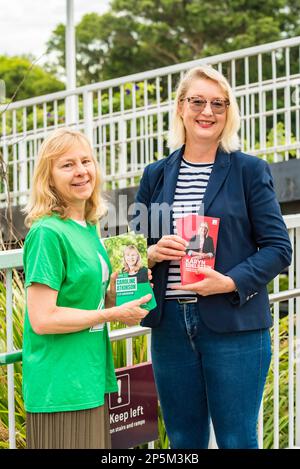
x: 192, y: 28
x: 34, y: 81
x: 135, y: 36
x: 106, y: 47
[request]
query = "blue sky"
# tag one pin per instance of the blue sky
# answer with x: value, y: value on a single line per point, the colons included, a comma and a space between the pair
x: 26, y: 25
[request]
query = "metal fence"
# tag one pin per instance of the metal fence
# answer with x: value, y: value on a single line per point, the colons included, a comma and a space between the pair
x: 127, y: 118
x: 280, y: 415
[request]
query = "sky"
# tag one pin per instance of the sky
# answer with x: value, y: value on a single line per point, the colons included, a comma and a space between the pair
x: 26, y: 25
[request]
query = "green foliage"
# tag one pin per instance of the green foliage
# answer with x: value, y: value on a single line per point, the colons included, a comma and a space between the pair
x: 281, y: 139
x: 106, y: 47
x: 36, y: 80
x: 283, y: 392
x: 134, y: 36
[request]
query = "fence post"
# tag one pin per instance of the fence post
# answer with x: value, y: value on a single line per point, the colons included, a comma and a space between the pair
x: 88, y: 115
x: 22, y: 171
x: 10, y: 368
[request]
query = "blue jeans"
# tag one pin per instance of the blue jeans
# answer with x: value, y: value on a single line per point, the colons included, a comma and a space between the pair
x: 201, y: 374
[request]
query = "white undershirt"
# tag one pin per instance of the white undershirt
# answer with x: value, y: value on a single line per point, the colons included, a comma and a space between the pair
x: 80, y: 222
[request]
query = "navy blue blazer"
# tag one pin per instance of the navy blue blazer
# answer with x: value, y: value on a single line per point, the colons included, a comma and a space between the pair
x: 253, y: 243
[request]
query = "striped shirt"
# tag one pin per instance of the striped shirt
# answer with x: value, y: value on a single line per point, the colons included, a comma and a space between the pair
x: 191, y: 185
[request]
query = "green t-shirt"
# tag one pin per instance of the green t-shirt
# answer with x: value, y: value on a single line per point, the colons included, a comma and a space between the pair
x: 73, y: 371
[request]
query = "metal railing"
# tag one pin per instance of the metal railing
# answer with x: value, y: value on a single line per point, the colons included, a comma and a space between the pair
x: 127, y: 118
x: 285, y: 288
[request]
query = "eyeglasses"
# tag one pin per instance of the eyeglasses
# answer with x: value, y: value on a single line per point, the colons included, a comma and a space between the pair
x: 198, y: 104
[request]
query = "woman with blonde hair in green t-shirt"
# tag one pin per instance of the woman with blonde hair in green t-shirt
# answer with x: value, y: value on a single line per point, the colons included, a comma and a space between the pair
x: 67, y: 361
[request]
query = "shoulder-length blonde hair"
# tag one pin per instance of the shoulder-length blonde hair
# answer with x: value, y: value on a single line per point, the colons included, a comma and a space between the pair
x: 229, y: 139
x: 44, y: 199
x: 138, y: 263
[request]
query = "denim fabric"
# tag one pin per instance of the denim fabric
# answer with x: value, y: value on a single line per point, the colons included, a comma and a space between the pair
x: 201, y: 374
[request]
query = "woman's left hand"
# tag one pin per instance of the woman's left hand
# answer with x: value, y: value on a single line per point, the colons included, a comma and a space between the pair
x: 213, y: 283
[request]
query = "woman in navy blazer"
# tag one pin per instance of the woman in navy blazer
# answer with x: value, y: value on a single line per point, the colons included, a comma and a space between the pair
x: 211, y: 352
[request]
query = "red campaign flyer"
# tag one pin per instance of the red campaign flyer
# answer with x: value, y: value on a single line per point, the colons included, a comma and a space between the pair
x: 202, y: 234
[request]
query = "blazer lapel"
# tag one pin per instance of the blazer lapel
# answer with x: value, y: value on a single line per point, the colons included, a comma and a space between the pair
x: 218, y: 175
x: 171, y: 172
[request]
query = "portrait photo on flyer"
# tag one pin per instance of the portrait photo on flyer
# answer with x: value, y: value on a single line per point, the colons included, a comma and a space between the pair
x: 128, y: 256
x: 201, y: 233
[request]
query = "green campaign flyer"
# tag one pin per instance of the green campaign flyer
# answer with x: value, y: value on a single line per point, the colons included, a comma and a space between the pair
x: 128, y: 256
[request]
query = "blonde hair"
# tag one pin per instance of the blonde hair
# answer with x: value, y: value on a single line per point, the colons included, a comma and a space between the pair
x: 138, y: 263
x: 229, y: 139
x: 44, y: 199
x: 205, y: 224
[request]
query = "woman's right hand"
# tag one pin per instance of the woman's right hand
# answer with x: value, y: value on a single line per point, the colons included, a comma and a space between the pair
x: 168, y: 248
x: 131, y: 313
